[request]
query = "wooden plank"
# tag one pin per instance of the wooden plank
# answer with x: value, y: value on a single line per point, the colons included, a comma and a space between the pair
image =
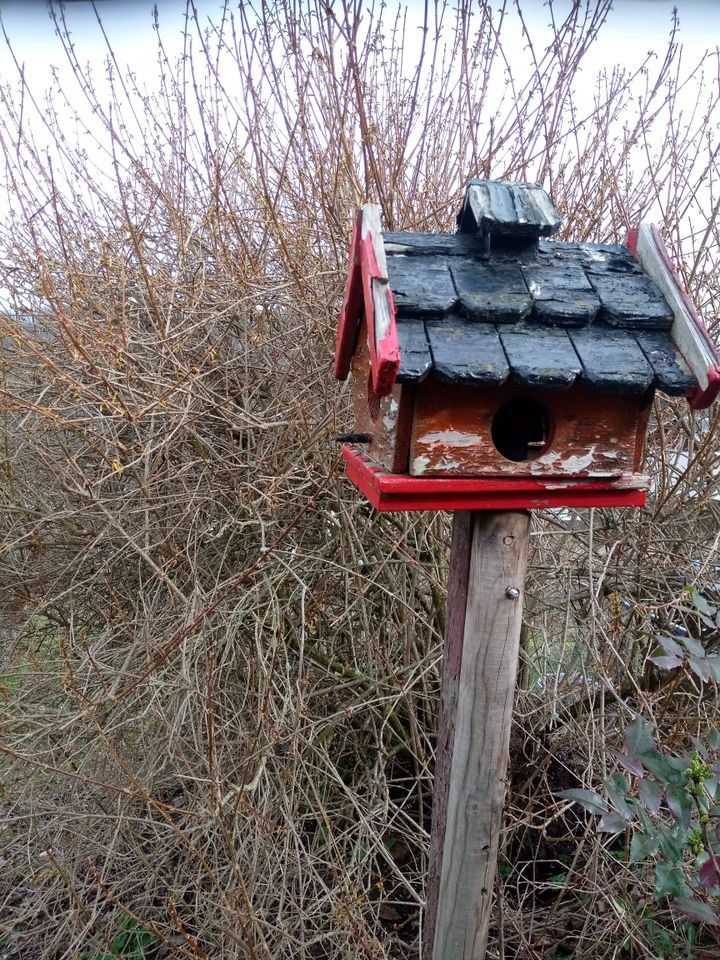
x: 379, y: 307
x: 590, y: 436
x: 457, y: 494
x: 457, y: 593
x: 386, y: 419
x: 467, y: 352
x: 479, y: 733
x: 540, y: 356
x: 351, y: 312
x: 493, y: 292
x: 421, y: 287
x: 415, y: 356
x: 612, y: 360
x: 688, y: 331
x: 672, y: 374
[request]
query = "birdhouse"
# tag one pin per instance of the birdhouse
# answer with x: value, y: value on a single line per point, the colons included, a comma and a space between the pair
x: 498, y: 368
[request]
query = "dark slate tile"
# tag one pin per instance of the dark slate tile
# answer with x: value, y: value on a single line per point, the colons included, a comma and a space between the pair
x: 494, y: 292
x: 672, y: 375
x: 421, y: 286
x: 540, y: 356
x: 582, y: 251
x: 612, y: 359
x: 465, y: 351
x: 415, y: 356
x: 433, y: 244
x: 631, y: 300
x: 562, y: 294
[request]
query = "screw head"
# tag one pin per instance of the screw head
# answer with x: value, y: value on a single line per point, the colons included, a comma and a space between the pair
x: 512, y: 593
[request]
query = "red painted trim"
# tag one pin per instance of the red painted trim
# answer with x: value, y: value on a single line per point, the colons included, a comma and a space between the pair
x: 631, y: 240
x: 351, y: 311
x: 401, y: 492
x: 697, y: 398
x: 385, y: 355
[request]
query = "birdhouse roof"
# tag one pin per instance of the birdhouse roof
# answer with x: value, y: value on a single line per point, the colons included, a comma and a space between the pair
x: 545, y: 316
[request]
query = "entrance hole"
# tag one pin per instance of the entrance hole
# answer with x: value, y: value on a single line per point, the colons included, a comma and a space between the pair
x: 521, y: 429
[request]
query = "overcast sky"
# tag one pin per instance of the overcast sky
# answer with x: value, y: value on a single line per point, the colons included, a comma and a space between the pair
x: 634, y: 27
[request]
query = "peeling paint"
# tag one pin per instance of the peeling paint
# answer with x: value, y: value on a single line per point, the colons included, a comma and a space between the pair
x: 420, y: 465
x: 451, y: 438
x: 576, y: 463
x: 390, y: 418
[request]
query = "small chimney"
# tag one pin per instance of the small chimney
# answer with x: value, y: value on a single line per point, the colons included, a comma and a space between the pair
x: 509, y: 217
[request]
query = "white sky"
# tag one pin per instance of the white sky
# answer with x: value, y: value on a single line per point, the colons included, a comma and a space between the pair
x: 634, y: 28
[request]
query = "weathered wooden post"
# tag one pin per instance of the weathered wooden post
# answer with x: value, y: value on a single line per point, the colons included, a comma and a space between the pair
x: 495, y: 371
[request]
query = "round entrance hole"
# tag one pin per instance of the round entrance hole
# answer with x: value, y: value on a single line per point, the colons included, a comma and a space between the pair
x: 521, y: 429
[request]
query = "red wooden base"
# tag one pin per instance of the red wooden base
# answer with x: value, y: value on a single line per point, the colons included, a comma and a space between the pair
x: 399, y: 491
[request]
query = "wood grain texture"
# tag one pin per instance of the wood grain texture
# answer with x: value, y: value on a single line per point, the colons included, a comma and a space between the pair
x: 591, y: 435
x: 458, y: 577
x: 387, y: 419
x: 479, y: 734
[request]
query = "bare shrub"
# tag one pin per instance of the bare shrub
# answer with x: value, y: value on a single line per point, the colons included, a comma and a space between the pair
x: 220, y: 668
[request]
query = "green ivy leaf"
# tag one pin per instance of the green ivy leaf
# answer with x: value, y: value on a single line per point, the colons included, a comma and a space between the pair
x: 612, y: 822
x: 693, y: 646
x: 668, y: 662
x: 702, y: 605
x: 590, y: 800
x: 639, y: 738
x: 700, y: 667
x: 679, y: 803
x: 669, y: 881
x: 671, y: 646
x: 663, y: 770
x: 671, y: 847
x: 643, y: 846
x: 651, y: 795
x: 696, y: 909
x: 713, y: 662
x: 617, y: 790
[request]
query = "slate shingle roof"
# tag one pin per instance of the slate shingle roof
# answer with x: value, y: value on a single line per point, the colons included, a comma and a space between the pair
x: 546, y: 316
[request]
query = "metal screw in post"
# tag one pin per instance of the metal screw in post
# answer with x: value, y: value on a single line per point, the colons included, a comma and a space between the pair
x: 512, y: 593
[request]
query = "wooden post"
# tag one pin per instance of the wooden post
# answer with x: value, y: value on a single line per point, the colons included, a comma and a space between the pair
x: 488, y: 560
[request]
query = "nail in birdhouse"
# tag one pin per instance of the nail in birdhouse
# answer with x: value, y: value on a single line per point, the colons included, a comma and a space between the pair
x: 496, y: 367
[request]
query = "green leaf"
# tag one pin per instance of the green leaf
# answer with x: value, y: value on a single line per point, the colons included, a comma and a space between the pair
x: 671, y: 847
x: 696, y: 909
x: 679, y: 803
x: 643, y: 846
x: 669, y: 881
x: 612, y: 822
x: 592, y: 801
x: 701, y: 604
x: 617, y: 790
x: 700, y: 667
x: 713, y: 661
x: 713, y: 735
x: 693, y: 646
x: 651, y: 795
x: 671, y: 646
x: 666, y: 663
x: 639, y: 737
x: 663, y: 770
